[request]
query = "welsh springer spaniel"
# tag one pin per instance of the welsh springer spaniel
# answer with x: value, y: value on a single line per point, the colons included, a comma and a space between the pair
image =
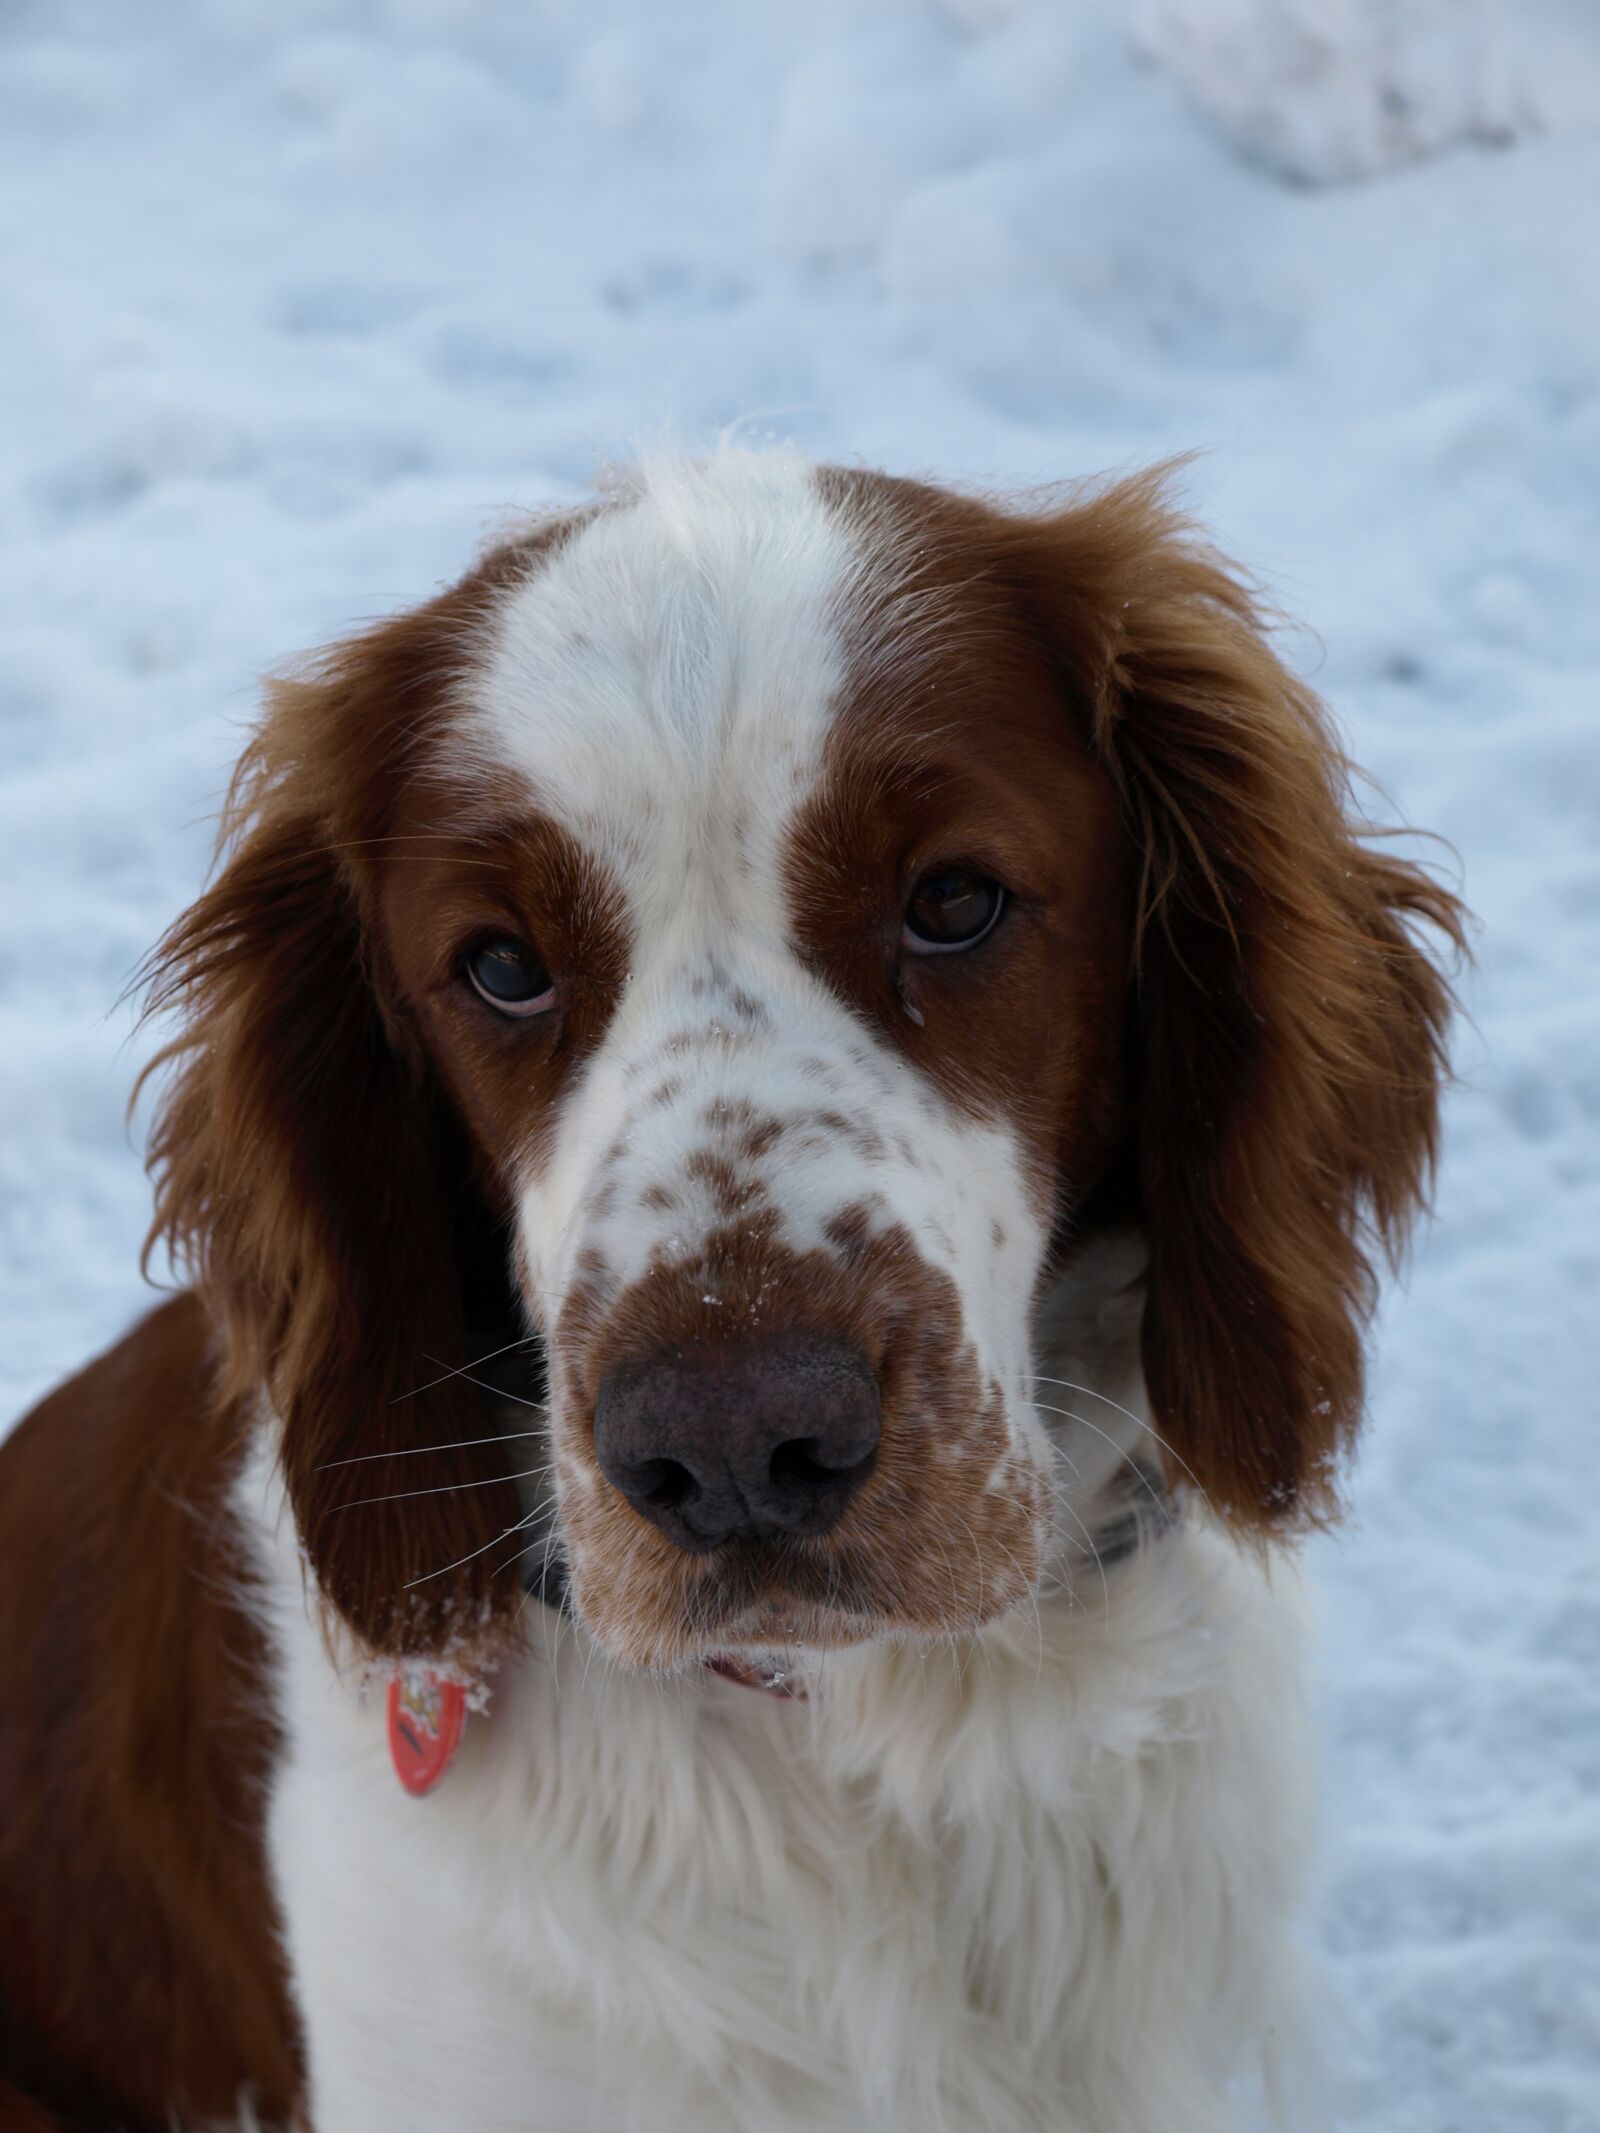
x: 782, y: 1108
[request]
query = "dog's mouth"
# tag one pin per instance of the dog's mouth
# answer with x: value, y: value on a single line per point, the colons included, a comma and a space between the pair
x: 916, y: 1558
x: 753, y: 1609
x: 773, y: 1675
x: 743, y: 1611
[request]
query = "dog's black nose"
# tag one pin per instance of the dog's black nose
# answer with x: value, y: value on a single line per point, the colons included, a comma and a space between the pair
x: 752, y: 1441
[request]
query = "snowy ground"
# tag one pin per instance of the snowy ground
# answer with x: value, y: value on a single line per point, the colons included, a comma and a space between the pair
x: 300, y: 296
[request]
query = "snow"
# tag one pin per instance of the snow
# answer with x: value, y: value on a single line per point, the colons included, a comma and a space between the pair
x: 1324, y: 89
x: 303, y: 297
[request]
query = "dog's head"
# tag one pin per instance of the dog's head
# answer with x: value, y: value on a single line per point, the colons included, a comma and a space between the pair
x: 781, y: 913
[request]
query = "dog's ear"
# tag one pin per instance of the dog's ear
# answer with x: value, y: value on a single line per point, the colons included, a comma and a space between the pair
x: 1288, y: 1025
x: 310, y: 1174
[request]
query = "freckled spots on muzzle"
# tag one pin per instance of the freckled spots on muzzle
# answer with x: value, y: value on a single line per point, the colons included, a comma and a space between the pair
x: 786, y: 1445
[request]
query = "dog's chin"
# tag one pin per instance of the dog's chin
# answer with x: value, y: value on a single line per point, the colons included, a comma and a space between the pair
x: 779, y: 1632
x: 752, y: 1604
x: 778, y: 1636
x: 775, y: 1638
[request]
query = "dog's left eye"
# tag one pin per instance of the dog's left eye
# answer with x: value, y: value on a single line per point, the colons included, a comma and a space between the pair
x: 510, y: 976
x: 952, y: 908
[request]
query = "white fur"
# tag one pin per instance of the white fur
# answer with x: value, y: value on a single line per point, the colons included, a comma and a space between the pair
x: 1038, y: 1879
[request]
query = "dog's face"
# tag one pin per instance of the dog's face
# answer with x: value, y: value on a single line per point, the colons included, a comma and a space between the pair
x: 774, y: 939
x: 794, y: 903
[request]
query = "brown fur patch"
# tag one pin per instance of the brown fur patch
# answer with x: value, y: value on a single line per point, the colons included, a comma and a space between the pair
x: 1208, y: 1008
x: 140, y: 1973
x: 330, y: 1156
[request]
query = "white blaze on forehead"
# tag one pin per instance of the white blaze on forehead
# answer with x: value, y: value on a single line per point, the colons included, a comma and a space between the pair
x: 664, y: 685
x: 665, y: 680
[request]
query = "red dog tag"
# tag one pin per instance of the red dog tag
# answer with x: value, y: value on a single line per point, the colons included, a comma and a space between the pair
x: 426, y: 1719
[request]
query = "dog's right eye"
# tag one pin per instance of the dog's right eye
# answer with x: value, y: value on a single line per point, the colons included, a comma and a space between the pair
x: 510, y: 976
x: 952, y: 908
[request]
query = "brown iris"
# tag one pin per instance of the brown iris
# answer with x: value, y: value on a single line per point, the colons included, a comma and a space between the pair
x: 952, y: 907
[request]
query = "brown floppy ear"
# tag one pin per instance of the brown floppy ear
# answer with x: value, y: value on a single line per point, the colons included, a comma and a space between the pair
x: 312, y: 1178
x: 1289, y: 1029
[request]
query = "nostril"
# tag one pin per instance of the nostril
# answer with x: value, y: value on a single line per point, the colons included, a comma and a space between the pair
x: 663, y: 1484
x: 801, y: 1464
x: 796, y: 1466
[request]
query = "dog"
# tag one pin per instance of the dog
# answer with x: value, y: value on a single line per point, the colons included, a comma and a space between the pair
x: 779, y: 1118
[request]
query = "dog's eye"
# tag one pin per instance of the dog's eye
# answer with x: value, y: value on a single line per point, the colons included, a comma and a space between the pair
x: 509, y: 975
x: 950, y: 908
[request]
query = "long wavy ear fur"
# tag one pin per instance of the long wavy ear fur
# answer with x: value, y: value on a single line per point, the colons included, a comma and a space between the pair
x: 309, y: 1173
x: 1289, y: 1025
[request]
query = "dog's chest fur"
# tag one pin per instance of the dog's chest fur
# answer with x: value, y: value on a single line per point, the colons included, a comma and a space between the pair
x: 1030, y: 1883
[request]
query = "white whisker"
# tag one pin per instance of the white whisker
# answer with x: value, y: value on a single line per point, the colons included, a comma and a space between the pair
x: 444, y: 1488
x: 1070, y: 1385
x: 472, y: 1555
x: 463, y: 1369
x: 416, y: 1451
x: 1149, y: 1487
